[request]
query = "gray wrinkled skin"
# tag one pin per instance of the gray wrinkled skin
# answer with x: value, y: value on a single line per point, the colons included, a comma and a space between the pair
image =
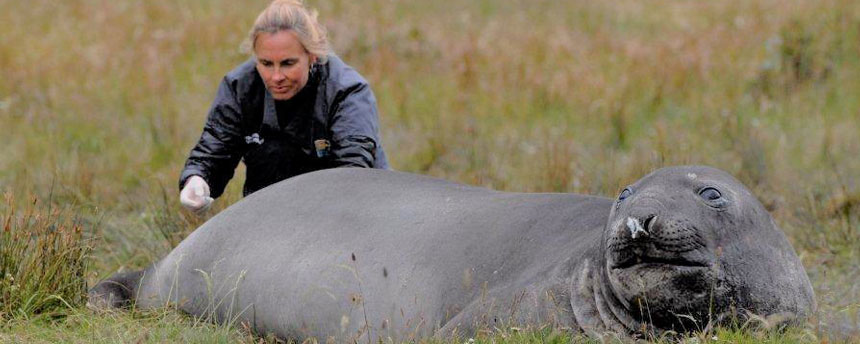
x: 344, y: 254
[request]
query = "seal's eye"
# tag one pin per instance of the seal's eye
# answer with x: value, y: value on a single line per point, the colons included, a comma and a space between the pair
x: 710, y: 194
x: 624, y: 194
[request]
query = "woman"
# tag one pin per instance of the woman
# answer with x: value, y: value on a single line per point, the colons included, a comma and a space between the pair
x: 292, y: 108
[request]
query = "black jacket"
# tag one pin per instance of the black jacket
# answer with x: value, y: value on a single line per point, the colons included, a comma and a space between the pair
x: 331, y: 122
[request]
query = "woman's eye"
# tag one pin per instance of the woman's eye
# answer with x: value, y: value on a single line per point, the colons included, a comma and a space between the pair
x: 288, y: 63
x: 624, y: 194
x: 710, y: 194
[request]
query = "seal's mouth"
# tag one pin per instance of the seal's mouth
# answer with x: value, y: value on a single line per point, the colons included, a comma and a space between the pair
x: 635, y: 261
x: 656, y: 242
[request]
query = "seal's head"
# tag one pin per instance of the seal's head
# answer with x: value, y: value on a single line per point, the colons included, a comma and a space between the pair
x: 688, y: 245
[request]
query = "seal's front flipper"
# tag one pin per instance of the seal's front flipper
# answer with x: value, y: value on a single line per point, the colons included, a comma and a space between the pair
x: 117, y: 291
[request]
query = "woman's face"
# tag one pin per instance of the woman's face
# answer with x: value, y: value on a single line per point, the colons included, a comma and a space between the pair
x: 283, y: 63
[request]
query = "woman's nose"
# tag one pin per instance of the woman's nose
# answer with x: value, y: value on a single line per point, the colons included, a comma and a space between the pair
x: 278, y: 75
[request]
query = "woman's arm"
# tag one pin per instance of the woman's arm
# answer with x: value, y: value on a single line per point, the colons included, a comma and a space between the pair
x: 355, y: 127
x: 219, y: 149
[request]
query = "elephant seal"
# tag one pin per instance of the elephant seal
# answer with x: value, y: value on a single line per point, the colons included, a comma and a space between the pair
x: 357, y: 254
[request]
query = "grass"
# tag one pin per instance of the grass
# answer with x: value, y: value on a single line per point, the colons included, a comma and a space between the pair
x: 79, y: 326
x: 100, y: 102
x: 43, y: 258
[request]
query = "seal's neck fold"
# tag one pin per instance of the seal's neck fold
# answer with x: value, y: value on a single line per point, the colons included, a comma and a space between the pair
x: 596, y: 309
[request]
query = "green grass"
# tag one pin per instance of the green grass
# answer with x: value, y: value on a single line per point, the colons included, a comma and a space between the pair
x: 81, y: 326
x: 100, y: 102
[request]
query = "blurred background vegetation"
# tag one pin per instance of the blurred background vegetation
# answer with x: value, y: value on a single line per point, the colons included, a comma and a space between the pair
x: 100, y: 102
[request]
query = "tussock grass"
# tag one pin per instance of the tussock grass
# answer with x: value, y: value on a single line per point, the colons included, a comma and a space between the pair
x: 101, y: 100
x: 43, y: 260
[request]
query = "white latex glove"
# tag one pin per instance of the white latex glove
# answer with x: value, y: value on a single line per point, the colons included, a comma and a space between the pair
x: 195, y: 195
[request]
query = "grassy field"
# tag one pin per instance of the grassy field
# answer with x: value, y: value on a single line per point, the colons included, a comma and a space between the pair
x: 100, y: 102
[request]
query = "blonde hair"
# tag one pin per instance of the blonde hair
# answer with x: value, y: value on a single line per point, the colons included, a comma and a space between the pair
x: 282, y: 15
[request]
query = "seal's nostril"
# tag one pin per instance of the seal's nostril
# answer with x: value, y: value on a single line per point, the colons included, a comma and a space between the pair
x: 649, y: 223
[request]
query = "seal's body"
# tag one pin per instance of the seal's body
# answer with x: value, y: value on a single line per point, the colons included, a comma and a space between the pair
x: 349, y: 253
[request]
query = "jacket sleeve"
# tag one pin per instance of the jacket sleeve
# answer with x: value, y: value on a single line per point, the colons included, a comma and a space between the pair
x: 354, y: 127
x: 219, y: 149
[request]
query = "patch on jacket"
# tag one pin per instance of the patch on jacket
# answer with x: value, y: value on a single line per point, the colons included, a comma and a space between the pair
x: 322, y: 147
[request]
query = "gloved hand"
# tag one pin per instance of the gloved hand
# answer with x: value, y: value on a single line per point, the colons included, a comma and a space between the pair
x: 195, y: 195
